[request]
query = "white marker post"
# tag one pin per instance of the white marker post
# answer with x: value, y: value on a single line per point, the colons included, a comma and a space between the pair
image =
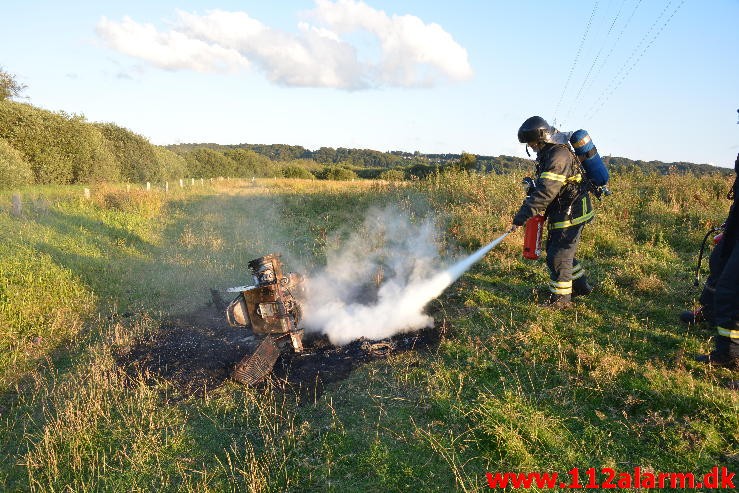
x: 17, y: 204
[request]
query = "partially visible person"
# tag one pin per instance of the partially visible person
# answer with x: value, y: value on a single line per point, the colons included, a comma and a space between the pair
x: 725, y: 313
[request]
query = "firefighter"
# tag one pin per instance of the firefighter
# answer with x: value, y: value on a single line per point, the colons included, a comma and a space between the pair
x: 560, y: 196
x: 725, y: 313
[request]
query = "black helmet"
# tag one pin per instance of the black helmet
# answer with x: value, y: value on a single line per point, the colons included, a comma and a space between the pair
x: 535, y: 129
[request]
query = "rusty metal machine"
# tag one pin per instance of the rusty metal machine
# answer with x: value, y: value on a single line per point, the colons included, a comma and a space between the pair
x: 270, y: 308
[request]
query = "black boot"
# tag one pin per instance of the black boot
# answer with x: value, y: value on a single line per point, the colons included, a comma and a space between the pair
x: 725, y: 353
x: 693, y: 316
x: 580, y: 287
x: 559, y: 301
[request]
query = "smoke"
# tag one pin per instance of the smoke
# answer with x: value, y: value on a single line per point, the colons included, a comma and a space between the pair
x: 378, y: 283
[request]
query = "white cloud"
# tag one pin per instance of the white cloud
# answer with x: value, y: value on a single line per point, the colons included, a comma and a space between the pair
x: 172, y: 50
x: 411, y: 53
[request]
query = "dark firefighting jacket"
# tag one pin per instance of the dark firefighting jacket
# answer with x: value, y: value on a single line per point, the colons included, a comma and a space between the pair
x: 731, y: 226
x: 726, y: 296
x: 559, y: 193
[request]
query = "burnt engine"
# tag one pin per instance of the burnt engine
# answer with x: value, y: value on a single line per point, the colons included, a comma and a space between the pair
x: 270, y: 308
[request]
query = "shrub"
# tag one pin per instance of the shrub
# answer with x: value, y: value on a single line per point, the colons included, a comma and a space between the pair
x: 9, y: 86
x: 339, y: 174
x: 14, y: 170
x: 248, y: 163
x: 93, y: 156
x: 135, y: 155
x: 207, y: 163
x: 392, y: 175
x: 171, y: 165
x: 422, y: 170
x: 369, y: 173
x: 293, y: 171
x: 60, y: 148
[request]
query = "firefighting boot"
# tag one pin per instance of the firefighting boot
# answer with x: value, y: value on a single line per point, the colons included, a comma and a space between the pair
x: 701, y: 315
x: 692, y: 316
x: 558, y: 301
x: 725, y: 353
x: 580, y: 287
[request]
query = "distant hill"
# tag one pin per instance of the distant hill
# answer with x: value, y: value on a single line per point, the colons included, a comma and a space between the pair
x: 368, y: 158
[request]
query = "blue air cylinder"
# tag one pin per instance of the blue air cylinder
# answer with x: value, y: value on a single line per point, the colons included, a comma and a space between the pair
x: 588, y: 155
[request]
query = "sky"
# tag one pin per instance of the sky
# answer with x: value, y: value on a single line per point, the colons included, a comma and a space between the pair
x: 648, y: 79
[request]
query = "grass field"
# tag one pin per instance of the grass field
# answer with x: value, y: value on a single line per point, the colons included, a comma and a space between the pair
x: 510, y: 386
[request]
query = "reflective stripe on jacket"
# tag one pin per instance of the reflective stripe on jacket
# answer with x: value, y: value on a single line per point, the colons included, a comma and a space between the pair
x: 734, y: 334
x: 558, y: 193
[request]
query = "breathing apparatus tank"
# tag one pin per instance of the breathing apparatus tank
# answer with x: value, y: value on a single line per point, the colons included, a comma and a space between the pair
x: 587, y: 154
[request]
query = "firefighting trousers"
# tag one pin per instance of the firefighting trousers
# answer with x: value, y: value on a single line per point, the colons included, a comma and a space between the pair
x: 726, y: 297
x: 716, y: 263
x: 563, y: 267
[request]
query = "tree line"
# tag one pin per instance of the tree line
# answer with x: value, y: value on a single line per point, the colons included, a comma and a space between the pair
x: 369, y: 158
x: 45, y: 147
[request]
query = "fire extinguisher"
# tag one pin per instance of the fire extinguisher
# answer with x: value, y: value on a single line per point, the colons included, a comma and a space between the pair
x: 532, y: 233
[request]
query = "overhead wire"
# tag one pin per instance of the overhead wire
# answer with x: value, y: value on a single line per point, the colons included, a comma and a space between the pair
x: 613, y: 47
x: 574, y: 62
x: 627, y: 68
x: 595, y: 61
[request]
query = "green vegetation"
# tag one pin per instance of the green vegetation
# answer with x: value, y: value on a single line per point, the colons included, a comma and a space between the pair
x: 392, y: 175
x: 9, y: 86
x: 14, y: 169
x: 419, y: 164
x: 339, y: 173
x: 609, y: 383
x: 44, y: 147
x: 294, y: 171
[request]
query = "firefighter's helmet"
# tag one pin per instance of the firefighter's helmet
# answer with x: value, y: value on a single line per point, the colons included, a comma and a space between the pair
x: 535, y: 130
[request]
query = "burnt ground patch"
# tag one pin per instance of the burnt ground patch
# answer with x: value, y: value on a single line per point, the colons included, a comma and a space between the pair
x: 197, y: 352
x: 193, y: 352
x: 322, y: 363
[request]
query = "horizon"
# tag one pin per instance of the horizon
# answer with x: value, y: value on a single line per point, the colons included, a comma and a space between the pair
x: 420, y: 152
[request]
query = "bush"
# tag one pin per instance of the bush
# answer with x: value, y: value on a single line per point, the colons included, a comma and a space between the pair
x: 60, y: 148
x: 14, y: 170
x: 93, y: 155
x: 339, y: 174
x: 392, y: 175
x: 207, y: 163
x: 422, y: 170
x: 248, y: 163
x: 171, y: 165
x: 135, y: 155
x: 369, y: 173
x: 292, y: 171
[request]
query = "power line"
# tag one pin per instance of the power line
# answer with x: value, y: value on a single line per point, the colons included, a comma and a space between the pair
x: 625, y: 68
x: 574, y: 62
x: 613, y: 47
x: 595, y: 60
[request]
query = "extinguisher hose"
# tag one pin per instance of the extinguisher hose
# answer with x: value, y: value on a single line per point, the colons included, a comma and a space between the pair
x: 700, y: 256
